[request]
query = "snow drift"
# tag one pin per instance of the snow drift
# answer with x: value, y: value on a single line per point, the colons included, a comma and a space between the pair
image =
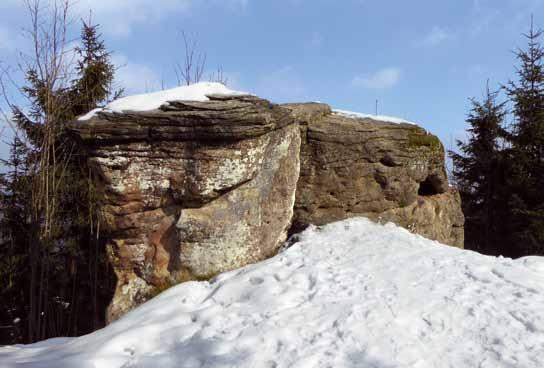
x: 385, y: 118
x: 154, y: 100
x: 199, y: 92
x: 349, y: 294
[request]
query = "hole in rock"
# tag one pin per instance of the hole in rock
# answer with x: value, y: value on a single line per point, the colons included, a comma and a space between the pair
x: 387, y: 161
x: 296, y: 227
x: 428, y: 187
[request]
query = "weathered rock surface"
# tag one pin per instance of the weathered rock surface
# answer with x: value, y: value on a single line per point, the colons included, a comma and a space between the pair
x: 437, y: 217
x: 198, y: 188
x: 385, y: 171
x: 192, y: 189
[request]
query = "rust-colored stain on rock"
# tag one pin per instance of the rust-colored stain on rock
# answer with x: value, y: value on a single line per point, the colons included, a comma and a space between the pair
x: 198, y: 188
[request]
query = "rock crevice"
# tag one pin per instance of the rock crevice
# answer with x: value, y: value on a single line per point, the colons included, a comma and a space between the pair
x: 386, y: 171
x: 209, y: 190
x: 193, y: 189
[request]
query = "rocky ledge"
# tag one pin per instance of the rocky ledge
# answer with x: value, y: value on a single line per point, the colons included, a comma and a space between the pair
x: 192, y: 189
x: 388, y: 172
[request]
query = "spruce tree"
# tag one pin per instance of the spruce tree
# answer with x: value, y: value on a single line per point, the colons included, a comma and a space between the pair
x: 69, y: 283
x: 527, y: 150
x: 14, y: 229
x: 478, y: 174
x: 91, y: 89
x: 95, y: 72
x: 84, y: 247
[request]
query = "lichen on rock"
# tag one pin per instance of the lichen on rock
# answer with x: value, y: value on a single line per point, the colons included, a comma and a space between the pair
x: 195, y: 188
x: 192, y: 189
x: 358, y: 166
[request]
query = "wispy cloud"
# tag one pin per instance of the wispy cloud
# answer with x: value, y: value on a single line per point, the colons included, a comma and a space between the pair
x: 486, y: 18
x: 381, y: 79
x: 435, y: 37
x: 118, y: 17
x: 236, y: 4
x: 135, y: 77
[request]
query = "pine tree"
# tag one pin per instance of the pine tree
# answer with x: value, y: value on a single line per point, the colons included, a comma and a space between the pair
x: 527, y: 149
x: 478, y: 174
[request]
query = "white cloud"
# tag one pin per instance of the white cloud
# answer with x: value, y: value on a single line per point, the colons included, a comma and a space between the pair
x: 435, y: 37
x: 117, y: 17
x: 382, y: 79
x: 486, y: 19
x: 135, y: 77
x: 236, y: 4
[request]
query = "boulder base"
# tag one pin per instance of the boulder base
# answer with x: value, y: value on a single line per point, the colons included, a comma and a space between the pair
x: 194, y: 189
x: 386, y: 171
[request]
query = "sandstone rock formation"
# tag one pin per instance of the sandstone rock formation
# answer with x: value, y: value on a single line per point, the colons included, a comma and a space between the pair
x: 193, y: 189
x: 386, y: 171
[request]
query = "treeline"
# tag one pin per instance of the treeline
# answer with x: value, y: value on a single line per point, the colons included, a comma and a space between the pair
x: 54, y: 276
x: 55, y: 279
x: 499, y: 170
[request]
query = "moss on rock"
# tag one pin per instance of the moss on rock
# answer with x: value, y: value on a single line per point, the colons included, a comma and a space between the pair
x: 418, y: 138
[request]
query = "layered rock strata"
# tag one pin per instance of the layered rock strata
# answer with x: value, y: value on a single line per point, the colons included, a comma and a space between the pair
x: 192, y: 189
x: 353, y: 166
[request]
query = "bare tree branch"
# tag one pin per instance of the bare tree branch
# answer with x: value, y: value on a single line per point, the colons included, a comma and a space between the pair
x: 219, y: 76
x: 194, y: 62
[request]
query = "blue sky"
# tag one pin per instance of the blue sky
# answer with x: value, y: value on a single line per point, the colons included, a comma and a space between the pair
x: 421, y: 59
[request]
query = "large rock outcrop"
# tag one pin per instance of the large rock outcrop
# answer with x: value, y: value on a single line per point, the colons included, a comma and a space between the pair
x: 353, y: 166
x: 192, y: 189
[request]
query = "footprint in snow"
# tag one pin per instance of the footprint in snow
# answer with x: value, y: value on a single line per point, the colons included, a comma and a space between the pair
x: 256, y: 280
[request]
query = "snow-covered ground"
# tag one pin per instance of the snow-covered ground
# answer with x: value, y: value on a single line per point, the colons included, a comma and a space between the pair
x: 152, y: 101
x: 389, y: 119
x: 349, y: 294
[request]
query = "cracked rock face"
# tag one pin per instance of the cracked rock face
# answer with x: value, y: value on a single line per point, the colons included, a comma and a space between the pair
x: 385, y: 171
x: 198, y: 188
x: 192, y: 189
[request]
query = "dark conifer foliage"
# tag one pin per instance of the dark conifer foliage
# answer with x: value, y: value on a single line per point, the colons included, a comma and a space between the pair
x: 50, y: 240
x: 478, y: 173
x: 526, y: 184
x: 15, y: 225
x: 500, y: 169
x: 93, y: 86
